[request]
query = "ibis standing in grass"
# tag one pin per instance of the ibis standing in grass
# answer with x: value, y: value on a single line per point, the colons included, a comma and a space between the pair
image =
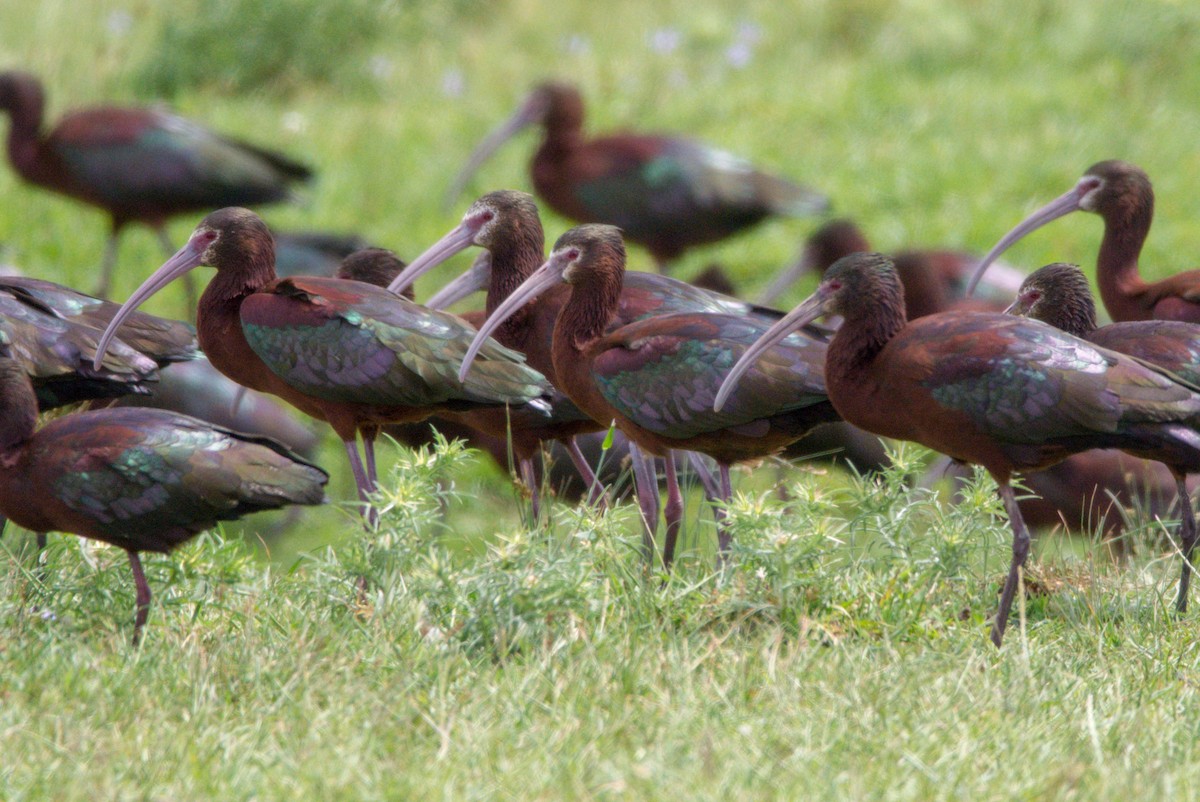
x: 141, y: 165
x: 140, y: 479
x: 1058, y: 294
x: 656, y: 378
x: 994, y: 390
x: 666, y: 193
x: 348, y: 353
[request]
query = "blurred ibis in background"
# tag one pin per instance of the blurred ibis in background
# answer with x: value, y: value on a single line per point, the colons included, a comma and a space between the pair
x: 1121, y: 194
x: 934, y: 279
x: 345, y: 352
x: 313, y: 253
x: 665, y: 193
x: 141, y: 165
x: 140, y: 479
x: 657, y: 377
x: 1003, y: 392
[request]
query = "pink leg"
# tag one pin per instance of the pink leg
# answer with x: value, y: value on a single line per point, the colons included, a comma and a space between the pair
x: 529, y: 479
x: 143, y: 596
x: 720, y: 513
x: 596, y: 496
x: 363, y: 483
x: 1020, y: 550
x: 673, y: 512
x: 646, y: 484
x: 1187, y: 531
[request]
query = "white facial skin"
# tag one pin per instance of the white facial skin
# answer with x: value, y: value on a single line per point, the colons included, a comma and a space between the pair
x: 1089, y: 187
x: 572, y: 270
x: 488, y: 214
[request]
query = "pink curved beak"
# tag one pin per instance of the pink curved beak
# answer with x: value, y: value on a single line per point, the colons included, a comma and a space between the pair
x: 542, y: 279
x: 189, y: 256
x: 1062, y: 205
x: 459, y: 238
x: 476, y: 279
x: 809, y: 310
x: 530, y: 112
x: 789, y: 276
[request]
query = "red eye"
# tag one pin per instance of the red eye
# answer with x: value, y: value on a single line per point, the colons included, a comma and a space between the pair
x: 573, y: 254
x: 834, y: 285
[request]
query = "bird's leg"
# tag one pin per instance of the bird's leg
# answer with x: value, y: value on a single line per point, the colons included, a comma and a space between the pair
x: 143, y: 596
x: 1187, y: 530
x: 712, y: 490
x: 189, y: 281
x: 106, y: 266
x: 369, y: 433
x: 720, y: 513
x: 363, y: 483
x: 529, y: 479
x: 1020, y: 550
x: 596, y: 497
x: 646, y: 484
x: 672, y: 512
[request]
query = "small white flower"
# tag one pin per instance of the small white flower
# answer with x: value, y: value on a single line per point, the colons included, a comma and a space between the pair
x: 119, y: 23
x: 665, y: 40
x: 294, y: 122
x: 454, y: 82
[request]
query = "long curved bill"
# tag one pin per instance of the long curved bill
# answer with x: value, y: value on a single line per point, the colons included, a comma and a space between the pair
x: 1062, y: 205
x: 542, y: 279
x: 526, y: 115
x: 808, y: 311
x: 458, y: 239
x: 186, y: 258
x: 476, y: 279
x: 787, y: 278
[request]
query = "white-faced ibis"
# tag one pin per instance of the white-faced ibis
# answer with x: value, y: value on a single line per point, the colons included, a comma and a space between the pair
x: 1058, y: 294
x: 59, y: 357
x: 934, y: 278
x: 1121, y: 194
x: 656, y: 377
x: 1003, y: 392
x: 667, y: 194
x: 139, y: 165
x: 345, y: 352
x: 140, y: 479
x: 164, y: 340
x: 507, y: 224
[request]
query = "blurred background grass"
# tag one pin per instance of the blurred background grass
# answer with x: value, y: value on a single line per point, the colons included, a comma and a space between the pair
x: 932, y: 123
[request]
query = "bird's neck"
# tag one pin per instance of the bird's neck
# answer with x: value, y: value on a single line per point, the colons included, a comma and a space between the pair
x: 582, y: 319
x: 219, y: 326
x: 1121, y: 285
x: 23, y: 142
x: 513, y: 261
x: 859, y: 340
x: 18, y: 408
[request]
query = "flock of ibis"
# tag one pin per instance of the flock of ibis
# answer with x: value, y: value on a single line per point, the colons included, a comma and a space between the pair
x: 1017, y: 379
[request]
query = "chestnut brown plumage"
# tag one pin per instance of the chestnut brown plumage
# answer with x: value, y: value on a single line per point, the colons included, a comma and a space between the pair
x: 139, y: 165
x: 667, y: 194
x: 1003, y: 392
x: 345, y: 352
x: 140, y: 479
x: 656, y: 377
x: 1121, y: 194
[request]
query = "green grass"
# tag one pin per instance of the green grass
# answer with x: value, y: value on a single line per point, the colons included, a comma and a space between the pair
x: 846, y: 653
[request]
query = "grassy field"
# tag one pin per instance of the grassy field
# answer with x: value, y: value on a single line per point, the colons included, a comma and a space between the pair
x: 845, y: 654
